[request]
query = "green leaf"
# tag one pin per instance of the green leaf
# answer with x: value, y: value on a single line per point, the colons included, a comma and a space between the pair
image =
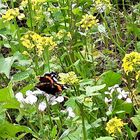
x: 136, y: 121
x: 71, y: 102
x: 13, y: 103
x: 5, y: 65
x: 105, y: 138
x: 20, y: 76
x: 91, y: 89
x: 73, y: 134
x: 122, y: 107
x: 77, y: 11
x: 6, y: 94
x: 28, y: 87
x: 8, y: 99
x: 8, y: 130
x: 54, y: 132
x: 110, y: 78
x: 138, y: 46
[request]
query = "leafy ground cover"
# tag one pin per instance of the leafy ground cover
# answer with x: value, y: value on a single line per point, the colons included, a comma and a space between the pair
x: 69, y: 70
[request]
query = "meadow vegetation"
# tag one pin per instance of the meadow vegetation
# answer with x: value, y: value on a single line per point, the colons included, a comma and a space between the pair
x: 89, y: 53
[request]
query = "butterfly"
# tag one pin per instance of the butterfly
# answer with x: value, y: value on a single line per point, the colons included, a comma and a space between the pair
x: 49, y: 84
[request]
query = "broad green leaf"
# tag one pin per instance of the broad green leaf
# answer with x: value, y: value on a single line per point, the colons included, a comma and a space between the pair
x: 71, y: 102
x: 105, y: 138
x: 54, y: 132
x: 8, y: 130
x: 110, y: 78
x: 122, y: 107
x: 136, y: 121
x: 6, y: 94
x: 27, y: 87
x: 8, y: 99
x: 73, y: 134
x: 5, y: 65
x: 20, y: 76
x: 13, y: 103
x: 91, y: 89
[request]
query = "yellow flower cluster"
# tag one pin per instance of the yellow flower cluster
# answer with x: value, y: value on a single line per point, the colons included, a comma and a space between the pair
x: 114, y: 126
x: 12, y: 13
x: 33, y: 40
x: 24, y: 3
x: 68, y: 78
x: 63, y: 33
x: 131, y: 63
x: 88, y: 21
x: 102, y: 5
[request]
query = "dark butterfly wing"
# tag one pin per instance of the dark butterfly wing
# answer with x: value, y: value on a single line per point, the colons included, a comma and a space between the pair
x: 48, y: 83
x: 52, y: 75
x: 50, y: 89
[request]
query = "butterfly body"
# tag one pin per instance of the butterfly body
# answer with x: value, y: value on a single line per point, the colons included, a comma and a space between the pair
x: 49, y: 84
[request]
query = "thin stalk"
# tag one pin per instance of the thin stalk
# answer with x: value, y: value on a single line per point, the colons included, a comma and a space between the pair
x: 30, y: 13
x: 48, y: 58
x: 83, y: 124
x: 36, y: 62
x: 4, y: 79
x: 49, y: 115
x: 83, y: 120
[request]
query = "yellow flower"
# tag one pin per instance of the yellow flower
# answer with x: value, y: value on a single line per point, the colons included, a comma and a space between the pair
x: 26, y: 53
x: 33, y: 40
x: 131, y: 62
x: 11, y: 14
x: 102, y: 5
x: 34, y: 3
x: 61, y: 34
x: 69, y: 35
x: 88, y: 101
x: 68, y: 78
x: 88, y: 21
x: 137, y: 75
x: 114, y: 126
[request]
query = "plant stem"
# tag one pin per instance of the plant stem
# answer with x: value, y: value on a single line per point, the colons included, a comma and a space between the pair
x: 83, y: 124
x: 83, y: 119
x: 30, y: 13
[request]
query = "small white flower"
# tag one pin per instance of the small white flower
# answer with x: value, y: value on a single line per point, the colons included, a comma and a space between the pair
x: 63, y: 111
x: 101, y: 28
x: 125, y: 94
x: 110, y: 108
x: 101, y: 8
x: 107, y: 100
x: 29, y: 92
x: 109, y: 88
x: 106, y: 92
x: 59, y: 99
x: 31, y: 99
x: 42, y: 106
x: 128, y: 100
x: 71, y: 114
x: 36, y: 92
x: 119, y: 90
x: 19, y: 97
x: 112, y: 90
x: 52, y: 100
x: 120, y: 96
x: 116, y: 86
